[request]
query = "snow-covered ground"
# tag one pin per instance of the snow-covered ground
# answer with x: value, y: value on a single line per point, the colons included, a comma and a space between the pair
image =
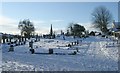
x: 95, y: 54
x: 0, y: 58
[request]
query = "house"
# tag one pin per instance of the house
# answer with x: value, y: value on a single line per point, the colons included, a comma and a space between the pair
x: 115, y: 29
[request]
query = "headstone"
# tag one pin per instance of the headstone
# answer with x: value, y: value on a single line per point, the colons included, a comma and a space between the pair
x: 7, y: 40
x: 74, y: 53
x: 77, y: 50
x: 10, y: 39
x: 31, y: 44
x: 32, y: 51
x: 77, y: 42
x: 11, y: 49
x: 8, y: 43
x: 72, y: 43
x: 16, y: 44
x: 24, y: 42
x: 35, y: 40
x: 50, y: 51
x: 3, y: 40
x: 69, y: 45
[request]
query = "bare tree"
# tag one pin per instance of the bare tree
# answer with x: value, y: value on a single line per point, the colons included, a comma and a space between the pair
x: 101, y: 17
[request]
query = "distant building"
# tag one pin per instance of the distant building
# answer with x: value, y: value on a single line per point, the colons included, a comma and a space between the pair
x: 116, y: 29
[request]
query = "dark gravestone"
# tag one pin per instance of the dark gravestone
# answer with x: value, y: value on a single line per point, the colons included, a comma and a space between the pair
x: 77, y: 50
x: 10, y: 39
x: 15, y: 41
x: 69, y: 45
x: 8, y: 43
x: 24, y: 42
x: 77, y: 42
x: 32, y: 51
x: 74, y: 53
x: 103, y: 35
x: 11, y: 49
x: 31, y: 44
x: 50, y: 51
x: 35, y: 40
x: 16, y: 44
x: 7, y: 40
x: 3, y: 40
x: 72, y: 43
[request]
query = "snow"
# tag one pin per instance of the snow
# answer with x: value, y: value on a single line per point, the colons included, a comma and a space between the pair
x: 0, y: 58
x: 95, y: 54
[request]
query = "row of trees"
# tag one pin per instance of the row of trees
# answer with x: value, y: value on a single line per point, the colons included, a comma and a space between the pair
x: 101, y: 17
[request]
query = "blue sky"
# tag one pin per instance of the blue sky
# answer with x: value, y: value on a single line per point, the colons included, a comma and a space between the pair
x: 60, y: 14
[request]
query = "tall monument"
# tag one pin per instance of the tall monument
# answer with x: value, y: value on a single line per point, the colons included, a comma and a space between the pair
x: 51, y: 31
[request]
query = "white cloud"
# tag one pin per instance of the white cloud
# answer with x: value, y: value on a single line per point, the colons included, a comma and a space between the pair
x: 42, y: 30
x: 7, y: 21
x: 9, y: 25
x: 56, y: 20
x: 38, y: 21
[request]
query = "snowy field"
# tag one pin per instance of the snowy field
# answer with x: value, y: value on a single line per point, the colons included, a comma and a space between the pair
x: 94, y: 54
x: 0, y: 58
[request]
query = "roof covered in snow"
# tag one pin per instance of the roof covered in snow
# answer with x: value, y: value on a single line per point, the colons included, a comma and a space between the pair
x: 116, y: 27
x: 117, y: 24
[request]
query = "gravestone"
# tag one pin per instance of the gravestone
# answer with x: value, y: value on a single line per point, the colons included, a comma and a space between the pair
x: 32, y: 51
x: 11, y: 49
x: 7, y: 40
x: 77, y: 49
x: 3, y: 40
x: 50, y: 51
x: 69, y: 45
x: 24, y: 42
x: 77, y: 42
x: 72, y: 43
x: 31, y: 44
x: 74, y: 53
